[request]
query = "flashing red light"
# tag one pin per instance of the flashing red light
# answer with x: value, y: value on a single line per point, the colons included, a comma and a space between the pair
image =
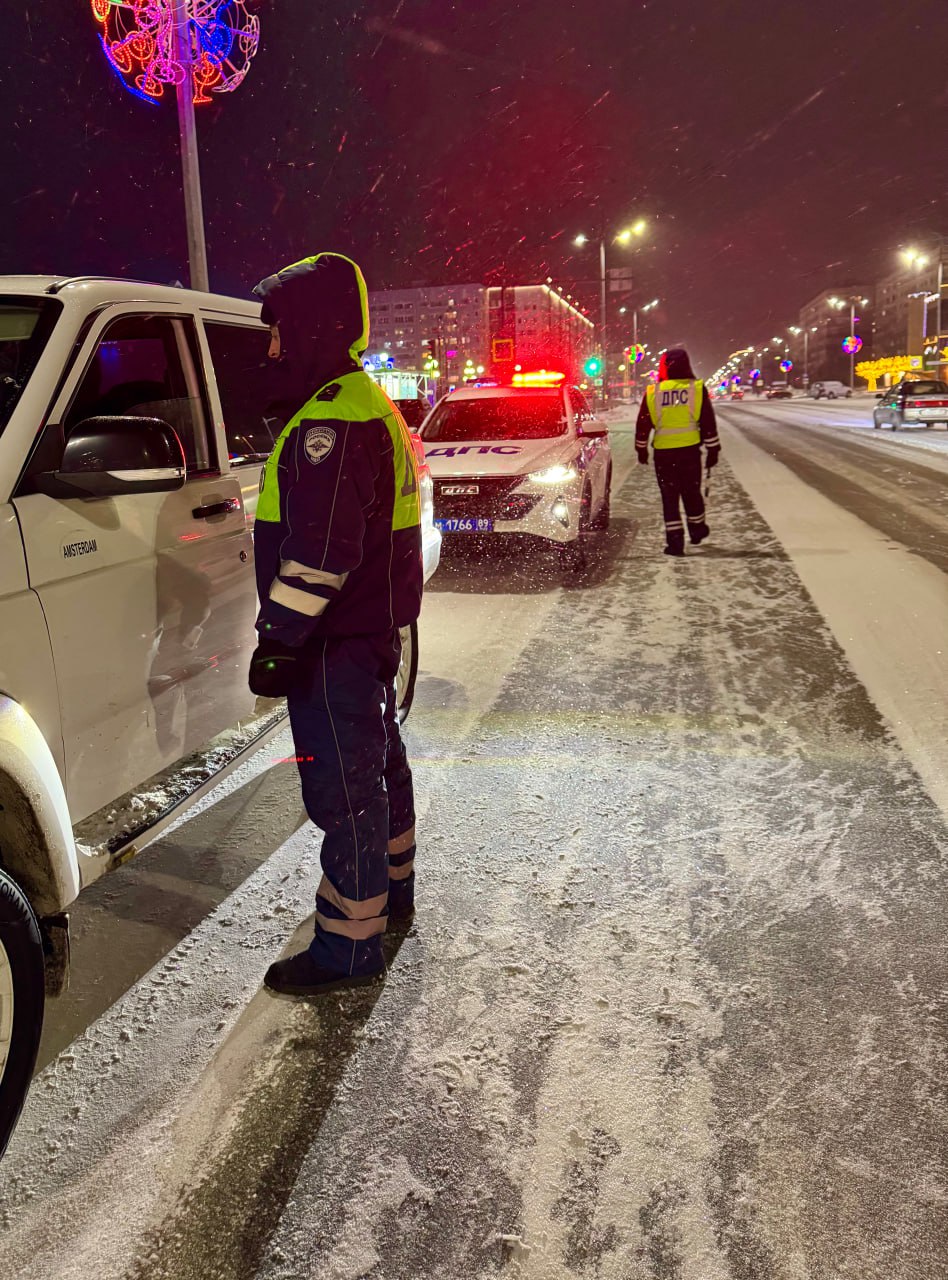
x: 539, y: 378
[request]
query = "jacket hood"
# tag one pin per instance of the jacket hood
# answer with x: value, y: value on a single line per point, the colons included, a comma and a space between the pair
x: 675, y: 364
x: 321, y: 307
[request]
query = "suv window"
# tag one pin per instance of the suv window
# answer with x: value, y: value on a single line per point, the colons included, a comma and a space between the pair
x: 246, y: 382
x: 137, y: 371
x: 25, y: 326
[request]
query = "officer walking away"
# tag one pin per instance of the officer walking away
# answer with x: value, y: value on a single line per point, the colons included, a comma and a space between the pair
x: 337, y: 541
x: 679, y: 411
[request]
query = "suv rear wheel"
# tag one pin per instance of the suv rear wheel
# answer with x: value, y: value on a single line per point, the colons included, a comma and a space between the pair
x: 407, y: 672
x: 22, y: 997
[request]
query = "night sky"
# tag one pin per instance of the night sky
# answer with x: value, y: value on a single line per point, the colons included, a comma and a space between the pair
x: 775, y: 149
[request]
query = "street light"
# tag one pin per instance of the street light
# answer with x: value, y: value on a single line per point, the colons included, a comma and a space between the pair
x: 623, y: 237
x: 797, y: 331
x: 912, y: 258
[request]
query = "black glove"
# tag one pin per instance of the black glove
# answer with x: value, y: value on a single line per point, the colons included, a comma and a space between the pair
x: 712, y: 459
x: 274, y: 669
x: 642, y: 456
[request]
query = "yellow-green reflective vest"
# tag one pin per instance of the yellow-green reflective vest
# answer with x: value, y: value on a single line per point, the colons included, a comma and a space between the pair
x: 357, y: 399
x: 675, y: 407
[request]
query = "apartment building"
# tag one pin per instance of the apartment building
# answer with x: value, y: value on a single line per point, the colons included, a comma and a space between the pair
x: 446, y: 321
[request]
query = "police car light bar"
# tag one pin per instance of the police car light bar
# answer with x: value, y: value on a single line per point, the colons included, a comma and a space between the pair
x: 538, y: 378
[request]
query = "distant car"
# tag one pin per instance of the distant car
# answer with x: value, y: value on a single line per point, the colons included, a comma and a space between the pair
x: 525, y: 460
x: 737, y: 393
x: 830, y: 390
x: 921, y: 403
x: 779, y: 393
x: 414, y: 410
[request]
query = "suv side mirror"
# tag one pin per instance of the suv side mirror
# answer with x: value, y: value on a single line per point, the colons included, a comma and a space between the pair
x: 592, y: 430
x: 106, y: 457
x: 880, y: 395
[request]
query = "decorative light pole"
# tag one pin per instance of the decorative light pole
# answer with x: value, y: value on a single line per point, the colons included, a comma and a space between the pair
x: 624, y: 237
x: 649, y: 306
x: 197, y: 46
x: 849, y: 345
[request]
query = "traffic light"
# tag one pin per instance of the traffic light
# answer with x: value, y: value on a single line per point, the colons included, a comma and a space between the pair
x: 593, y: 367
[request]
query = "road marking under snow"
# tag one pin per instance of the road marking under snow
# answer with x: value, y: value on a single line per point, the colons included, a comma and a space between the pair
x: 887, y: 608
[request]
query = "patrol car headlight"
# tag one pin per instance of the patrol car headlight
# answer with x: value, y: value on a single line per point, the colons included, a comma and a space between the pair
x: 559, y: 473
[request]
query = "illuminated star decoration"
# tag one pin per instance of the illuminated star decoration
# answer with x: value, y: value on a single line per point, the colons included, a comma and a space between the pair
x: 139, y: 40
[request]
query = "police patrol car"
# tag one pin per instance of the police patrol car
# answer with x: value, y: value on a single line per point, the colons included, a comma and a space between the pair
x: 529, y: 458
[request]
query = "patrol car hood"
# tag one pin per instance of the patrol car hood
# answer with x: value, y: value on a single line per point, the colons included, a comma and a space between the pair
x: 495, y: 457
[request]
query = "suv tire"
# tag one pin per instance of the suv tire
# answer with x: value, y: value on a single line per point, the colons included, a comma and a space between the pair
x: 22, y: 999
x: 407, y: 672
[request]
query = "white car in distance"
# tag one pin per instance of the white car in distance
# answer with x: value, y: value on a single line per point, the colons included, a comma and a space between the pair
x: 521, y: 459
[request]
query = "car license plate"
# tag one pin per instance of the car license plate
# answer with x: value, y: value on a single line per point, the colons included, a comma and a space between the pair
x: 933, y: 413
x: 467, y: 525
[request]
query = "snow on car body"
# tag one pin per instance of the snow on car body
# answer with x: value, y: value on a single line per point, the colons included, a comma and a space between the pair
x: 524, y: 460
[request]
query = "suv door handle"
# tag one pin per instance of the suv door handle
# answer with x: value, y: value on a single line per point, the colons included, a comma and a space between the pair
x: 216, y: 509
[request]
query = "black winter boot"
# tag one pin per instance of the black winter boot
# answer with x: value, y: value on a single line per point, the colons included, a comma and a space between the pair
x: 300, y: 975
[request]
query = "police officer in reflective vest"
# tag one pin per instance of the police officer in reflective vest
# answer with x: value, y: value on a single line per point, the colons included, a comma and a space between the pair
x: 679, y: 412
x: 337, y: 542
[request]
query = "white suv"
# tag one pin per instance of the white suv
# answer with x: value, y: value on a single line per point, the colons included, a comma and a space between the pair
x: 133, y: 423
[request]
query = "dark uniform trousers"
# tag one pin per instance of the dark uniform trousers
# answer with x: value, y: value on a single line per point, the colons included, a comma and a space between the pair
x: 357, y: 787
x: 678, y: 472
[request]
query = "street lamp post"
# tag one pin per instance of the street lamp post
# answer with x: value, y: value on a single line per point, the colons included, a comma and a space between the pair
x: 190, y: 165
x: 920, y: 260
x: 623, y: 237
x: 805, y: 331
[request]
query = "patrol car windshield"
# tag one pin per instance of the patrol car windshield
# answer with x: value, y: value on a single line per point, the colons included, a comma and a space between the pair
x: 497, y: 418
x: 25, y: 326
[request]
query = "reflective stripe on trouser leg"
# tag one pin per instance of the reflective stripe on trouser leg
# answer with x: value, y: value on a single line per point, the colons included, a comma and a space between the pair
x: 677, y: 472
x: 691, y: 495
x: 401, y: 812
x: 339, y: 734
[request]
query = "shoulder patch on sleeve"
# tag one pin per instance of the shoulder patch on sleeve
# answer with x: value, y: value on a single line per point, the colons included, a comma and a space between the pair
x: 330, y: 392
x: 318, y: 443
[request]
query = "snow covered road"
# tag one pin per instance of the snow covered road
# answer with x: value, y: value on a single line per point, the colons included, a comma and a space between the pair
x: 674, y: 1007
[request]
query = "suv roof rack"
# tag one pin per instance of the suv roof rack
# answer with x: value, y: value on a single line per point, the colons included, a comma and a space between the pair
x: 61, y: 284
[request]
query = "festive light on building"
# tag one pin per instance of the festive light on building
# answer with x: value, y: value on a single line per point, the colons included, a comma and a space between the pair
x: 140, y: 41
